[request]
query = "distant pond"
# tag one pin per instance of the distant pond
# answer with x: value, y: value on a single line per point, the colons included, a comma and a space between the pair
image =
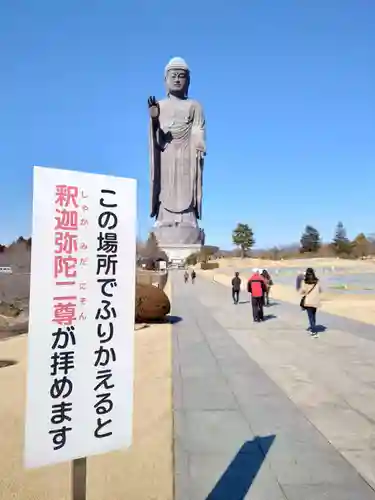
x: 358, y: 283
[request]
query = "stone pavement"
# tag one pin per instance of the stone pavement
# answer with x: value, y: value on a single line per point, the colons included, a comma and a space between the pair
x: 260, y: 411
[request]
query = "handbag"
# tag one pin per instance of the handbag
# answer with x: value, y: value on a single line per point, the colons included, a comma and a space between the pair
x: 302, y: 302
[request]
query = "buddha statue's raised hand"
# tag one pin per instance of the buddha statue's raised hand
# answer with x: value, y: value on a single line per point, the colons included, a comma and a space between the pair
x: 153, y: 108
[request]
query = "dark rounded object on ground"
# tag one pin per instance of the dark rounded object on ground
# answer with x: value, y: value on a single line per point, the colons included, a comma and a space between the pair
x: 151, y: 304
x: 145, y: 277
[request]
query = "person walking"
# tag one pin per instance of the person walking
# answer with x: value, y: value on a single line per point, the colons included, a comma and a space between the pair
x: 193, y: 276
x: 268, y: 280
x: 256, y: 286
x: 236, y: 287
x: 310, y: 291
x: 186, y: 276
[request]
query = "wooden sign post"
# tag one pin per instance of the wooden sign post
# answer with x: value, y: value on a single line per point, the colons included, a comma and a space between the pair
x: 79, y: 478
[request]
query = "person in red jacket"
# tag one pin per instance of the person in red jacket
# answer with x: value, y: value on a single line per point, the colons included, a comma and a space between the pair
x: 257, y: 287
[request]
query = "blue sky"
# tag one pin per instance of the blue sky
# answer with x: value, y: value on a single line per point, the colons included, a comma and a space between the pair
x: 288, y: 88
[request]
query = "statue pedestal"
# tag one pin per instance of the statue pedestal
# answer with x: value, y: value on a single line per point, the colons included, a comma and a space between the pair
x: 177, y: 253
x: 178, y: 234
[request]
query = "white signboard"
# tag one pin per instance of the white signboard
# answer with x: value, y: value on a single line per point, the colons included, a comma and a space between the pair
x: 81, y: 331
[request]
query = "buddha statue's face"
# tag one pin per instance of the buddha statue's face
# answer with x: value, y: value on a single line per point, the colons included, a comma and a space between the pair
x: 177, y: 80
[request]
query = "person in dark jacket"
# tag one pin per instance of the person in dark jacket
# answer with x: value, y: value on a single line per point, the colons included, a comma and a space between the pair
x: 193, y: 276
x: 257, y: 287
x: 267, y: 278
x: 236, y: 288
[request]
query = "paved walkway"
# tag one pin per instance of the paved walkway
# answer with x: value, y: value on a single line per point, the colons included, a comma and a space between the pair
x: 264, y: 412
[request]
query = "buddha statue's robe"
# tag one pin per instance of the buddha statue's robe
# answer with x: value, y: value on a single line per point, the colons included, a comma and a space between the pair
x: 176, y: 156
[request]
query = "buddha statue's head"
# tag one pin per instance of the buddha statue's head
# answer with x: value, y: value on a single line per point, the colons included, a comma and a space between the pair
x: 177, y: 77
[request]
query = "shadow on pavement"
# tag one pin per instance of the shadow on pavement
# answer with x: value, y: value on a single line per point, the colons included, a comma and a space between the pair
x: 140, y: 326
x: 269, y: 316
x: 4, y: 363
x: 320, y: 328
x: 271, y: 304
x: 169, y: 319
x: 173, y: 319
x: 241, y: 472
